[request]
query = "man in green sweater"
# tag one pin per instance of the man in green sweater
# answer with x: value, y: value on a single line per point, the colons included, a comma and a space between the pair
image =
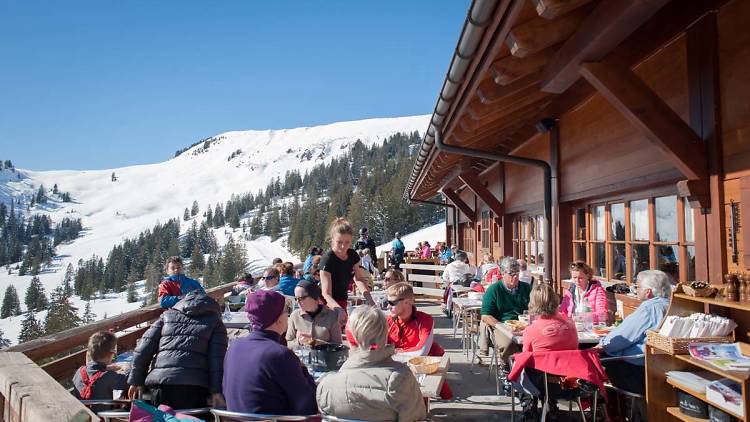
x: 503, y: 301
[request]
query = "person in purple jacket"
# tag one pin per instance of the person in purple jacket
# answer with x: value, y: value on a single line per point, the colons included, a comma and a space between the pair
x: 260, y: 374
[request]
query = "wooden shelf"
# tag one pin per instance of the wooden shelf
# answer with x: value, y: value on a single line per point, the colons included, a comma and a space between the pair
x: 745, y: 306
x: 738, y: 376
x: 675, y: 411
x: 701, y: 396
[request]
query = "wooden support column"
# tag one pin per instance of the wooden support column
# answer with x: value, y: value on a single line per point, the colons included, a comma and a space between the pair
x: 650, y: 115
x: 472, y: 182
x: 460, y: 204
x: 602, y: 30
x: 745, y: 222
x: 703, y: 93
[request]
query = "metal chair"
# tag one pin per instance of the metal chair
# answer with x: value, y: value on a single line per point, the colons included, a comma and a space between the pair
x: 221, y: 415
x: 122, y: 415
x: 630, y: 395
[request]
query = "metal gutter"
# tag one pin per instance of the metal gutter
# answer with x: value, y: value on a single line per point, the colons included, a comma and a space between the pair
x: 470, y: 152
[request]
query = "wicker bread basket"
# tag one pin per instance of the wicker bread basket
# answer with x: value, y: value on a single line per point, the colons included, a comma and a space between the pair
x: 424, y: 364
x: 704, y: 292
x: 679, y: 346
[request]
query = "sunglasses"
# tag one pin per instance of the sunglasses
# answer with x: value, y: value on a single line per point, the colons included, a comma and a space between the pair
x: 300, y: 298
x: 269, y: 277
x: 395, y: 302
x: 513, y: 274
x: 578, y: 265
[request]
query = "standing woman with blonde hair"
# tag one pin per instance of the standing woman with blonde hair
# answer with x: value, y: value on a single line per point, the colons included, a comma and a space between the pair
x: 338, y: 266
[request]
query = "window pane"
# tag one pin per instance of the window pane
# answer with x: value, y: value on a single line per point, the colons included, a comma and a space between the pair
x: 668, y: 259
x: 689, y: 236
x: 691, y: 263
x: 598, y: 222
x: 640, y: 259
x: 639, y: 220
x: 540, y: 226
x: 533, y: 253
x: 532, y: 228
x: 617, y: 211
x: 618, y: 260
x: 666, y: 218
x: 580, y: 251
x: 599, y: 259
x: 540, y: 256
x: 580, y: 224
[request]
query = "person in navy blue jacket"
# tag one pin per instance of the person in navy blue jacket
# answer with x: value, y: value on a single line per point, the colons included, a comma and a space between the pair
x: 176, y: 285
x: 260, y: 374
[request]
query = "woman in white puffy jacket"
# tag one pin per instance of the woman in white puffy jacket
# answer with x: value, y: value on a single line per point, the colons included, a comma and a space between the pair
x: 371, y: 385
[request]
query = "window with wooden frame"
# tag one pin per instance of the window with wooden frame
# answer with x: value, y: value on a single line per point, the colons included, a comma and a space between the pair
x: 484, y: 233
x: 468, y: 235
x: 619, y: 239
x: 528, y: 239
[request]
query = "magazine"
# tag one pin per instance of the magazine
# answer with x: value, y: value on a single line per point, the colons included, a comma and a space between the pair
x: 721, y: 355
x: 727, y: 395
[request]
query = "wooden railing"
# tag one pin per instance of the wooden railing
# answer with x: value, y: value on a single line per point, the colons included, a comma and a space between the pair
x: 73, y: 341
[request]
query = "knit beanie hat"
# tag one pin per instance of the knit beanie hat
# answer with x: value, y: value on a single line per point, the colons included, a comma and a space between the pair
x: 263, y: 308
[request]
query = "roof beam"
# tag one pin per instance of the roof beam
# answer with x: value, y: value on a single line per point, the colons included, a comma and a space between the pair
x: 539, y: 33
x: 460, y: 204
x: 511, y: 68
x: 650, y: 115
x: 551, y: 9
x: 475, y: 185
x: 611, y: 22
x: 489, y: 92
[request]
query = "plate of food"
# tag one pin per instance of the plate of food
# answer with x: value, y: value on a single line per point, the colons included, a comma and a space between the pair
x: 602, y: 331
x: 516, y: 325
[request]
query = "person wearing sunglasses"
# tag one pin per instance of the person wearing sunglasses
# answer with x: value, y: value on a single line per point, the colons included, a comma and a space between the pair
x: 311, y: 321
x: 585, y: 294
x: 270, y: 280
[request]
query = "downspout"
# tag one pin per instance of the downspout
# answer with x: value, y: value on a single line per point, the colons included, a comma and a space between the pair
x: 505, y: 158
x: 443, y: 204
x: 550, y: 125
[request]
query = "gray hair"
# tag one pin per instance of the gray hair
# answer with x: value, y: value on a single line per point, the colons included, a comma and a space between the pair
x: 523, y: 264
x: 657, y: 281
x: 509, y: 264
x: 368, y: 327
x: 461, y: 256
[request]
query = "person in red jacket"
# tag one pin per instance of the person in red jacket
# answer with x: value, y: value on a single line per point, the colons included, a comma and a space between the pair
x: 411, y: 331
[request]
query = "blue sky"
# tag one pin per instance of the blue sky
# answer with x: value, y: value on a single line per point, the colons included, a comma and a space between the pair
x: 101, y: 84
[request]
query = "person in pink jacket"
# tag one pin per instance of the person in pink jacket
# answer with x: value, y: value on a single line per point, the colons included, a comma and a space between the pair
x: 584, y: 289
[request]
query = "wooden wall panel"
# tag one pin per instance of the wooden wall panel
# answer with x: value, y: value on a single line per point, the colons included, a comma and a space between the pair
x: 601, y: 153
x: 524, y: 185
x: 734, y: 67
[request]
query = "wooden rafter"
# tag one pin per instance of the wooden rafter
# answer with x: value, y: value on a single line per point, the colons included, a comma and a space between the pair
x: 511, y: 68
x: 539, y: 33
x: 483, y: 112
x: 460, y: 204
x: 551, y: 9
x: 607, y: 26
x: 472, y: 182
x: 490, y: 93
x: 650, y: 115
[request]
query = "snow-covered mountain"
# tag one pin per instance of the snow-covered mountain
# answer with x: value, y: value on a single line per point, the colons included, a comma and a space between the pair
x: 208, y: 172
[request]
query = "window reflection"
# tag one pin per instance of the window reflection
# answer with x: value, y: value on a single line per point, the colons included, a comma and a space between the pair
x: 640, y: 258
x: 689, y: 235
x: 617, y: 211
x: 599, y: 221
x: 618, y: 260
x: 691, y: 263
x: 599, y: 259
x: 580, y: 224
x: 668, y: 259
x: 580, y: 251
x: 639, y: 226
x: 666, y: 218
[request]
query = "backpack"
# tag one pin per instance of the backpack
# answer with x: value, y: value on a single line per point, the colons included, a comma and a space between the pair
x: 88, y: 383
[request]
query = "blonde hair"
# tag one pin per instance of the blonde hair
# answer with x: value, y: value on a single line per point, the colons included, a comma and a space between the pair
x: 544, y: 300
x: 400, y: 290
x: 368, y: 327
x: 340, y: 226
x: 397, y: 275
x: 582, y: 267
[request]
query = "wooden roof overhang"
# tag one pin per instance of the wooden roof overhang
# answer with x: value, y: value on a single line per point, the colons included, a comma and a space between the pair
x: 519, y: 61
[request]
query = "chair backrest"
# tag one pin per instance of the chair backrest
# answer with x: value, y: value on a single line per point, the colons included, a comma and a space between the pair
x: 225, y: 415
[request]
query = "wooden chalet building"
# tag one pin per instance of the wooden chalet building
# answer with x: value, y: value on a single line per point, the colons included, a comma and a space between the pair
x: 611, y: 131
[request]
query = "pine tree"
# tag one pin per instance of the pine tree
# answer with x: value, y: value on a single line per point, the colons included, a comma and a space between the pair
x: 4, y: 342
x: 30, y: 328
x: 194, y: 210
x: 54, y: 189
x: 36, y: 297
x: 41, y: 195
x: 88, y: 316
x: 232, y: 262
x: 11, y: 304
x: 274, y: 225
x: 153, y: 277
x: 132, y: 292
x: 68, y: 280
x: 186, y: 215
x: 62, y: 315
x: 197, y: 262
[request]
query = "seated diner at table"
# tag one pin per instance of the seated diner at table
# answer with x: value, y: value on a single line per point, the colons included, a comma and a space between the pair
x: 370, y: 385
x: 98, y: 379
x: 270, y: 280
x: 312, y: 321
x: 503, y: 301
x: 260, y: 374
x: 584, y: 290
x: 287, y: 281
x: 550, y: 329
x: 629, y: 338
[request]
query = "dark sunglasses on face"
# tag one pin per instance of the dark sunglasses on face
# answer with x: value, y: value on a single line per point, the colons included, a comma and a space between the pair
x: 269, y: 277
x: 395, y: 302
x: 300, y: 298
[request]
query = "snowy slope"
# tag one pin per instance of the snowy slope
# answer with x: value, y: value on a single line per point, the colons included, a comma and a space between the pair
x: 432, y: 234
x: 146, y: 194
